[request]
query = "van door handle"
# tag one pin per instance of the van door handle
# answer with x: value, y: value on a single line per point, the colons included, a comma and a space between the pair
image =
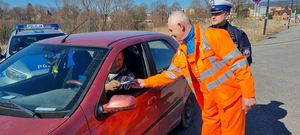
x: 152, y: 100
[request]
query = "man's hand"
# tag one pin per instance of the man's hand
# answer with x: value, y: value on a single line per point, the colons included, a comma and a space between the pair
x: 248, y: 103
x: 112, y: 85
x: 139, y: 83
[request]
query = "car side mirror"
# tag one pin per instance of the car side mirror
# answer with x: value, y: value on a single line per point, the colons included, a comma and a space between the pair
x: 119, y: 103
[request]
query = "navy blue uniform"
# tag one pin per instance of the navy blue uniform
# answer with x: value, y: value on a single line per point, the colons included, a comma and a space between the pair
x: 240, y: 39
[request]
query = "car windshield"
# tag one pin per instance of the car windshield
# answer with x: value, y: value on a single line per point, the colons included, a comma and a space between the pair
x: 19, y: 42
x: 48, y: 79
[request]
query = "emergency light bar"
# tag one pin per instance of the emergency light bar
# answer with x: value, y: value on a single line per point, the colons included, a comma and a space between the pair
x: 19, y: 27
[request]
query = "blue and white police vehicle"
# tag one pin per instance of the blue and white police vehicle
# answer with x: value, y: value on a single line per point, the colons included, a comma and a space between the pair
x: 25, y: 34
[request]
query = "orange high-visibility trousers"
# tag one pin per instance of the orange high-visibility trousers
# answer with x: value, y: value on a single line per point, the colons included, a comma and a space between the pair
x: 232, y: 118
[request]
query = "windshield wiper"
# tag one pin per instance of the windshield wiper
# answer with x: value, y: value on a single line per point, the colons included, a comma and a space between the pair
x: 25, y: 110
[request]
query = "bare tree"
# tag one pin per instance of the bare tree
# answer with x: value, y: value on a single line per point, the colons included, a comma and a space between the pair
x: 30, y: 13
x: 160, y: 12
x: 86, y: 5
x: 123, y: 15
x: 105, y: 9
x: 101, y: 15
x: 139, y: 17
x: 5, y: 27
x: 239, y: 7
x: 119, y: 5
x: 4, y: 7
x: 200, y: 11
x: 175, y: 7
x: 68, y: 15
x: 17, y: 14
x: 42, y: 14
x: 90, y: 12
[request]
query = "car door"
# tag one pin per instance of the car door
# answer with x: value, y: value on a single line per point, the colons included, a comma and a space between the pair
x: 171, y: 95
x: 146, y: 112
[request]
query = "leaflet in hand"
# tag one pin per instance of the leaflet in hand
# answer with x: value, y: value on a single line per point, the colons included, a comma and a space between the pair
x: 127, y: 82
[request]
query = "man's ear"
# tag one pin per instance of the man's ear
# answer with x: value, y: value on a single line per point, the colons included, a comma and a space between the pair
x: 181, y: 26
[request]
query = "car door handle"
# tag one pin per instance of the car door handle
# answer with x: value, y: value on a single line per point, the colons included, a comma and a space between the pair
x: 152, y: 100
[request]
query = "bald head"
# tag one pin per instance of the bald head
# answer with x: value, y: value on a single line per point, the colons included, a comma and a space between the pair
x: 179, y: 25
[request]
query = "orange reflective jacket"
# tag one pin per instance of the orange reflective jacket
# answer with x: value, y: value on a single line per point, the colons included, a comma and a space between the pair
x: 220, y: 70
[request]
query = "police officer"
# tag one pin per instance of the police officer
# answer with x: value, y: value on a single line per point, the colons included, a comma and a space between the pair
x: 220, y: 11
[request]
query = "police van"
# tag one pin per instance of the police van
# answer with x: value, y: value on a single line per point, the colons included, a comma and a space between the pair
x: 25, y: 34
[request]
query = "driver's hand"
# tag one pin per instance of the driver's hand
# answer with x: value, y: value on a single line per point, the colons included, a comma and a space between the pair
x: 112, y: 85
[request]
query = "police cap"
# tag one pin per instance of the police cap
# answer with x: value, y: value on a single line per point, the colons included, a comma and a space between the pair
x: 220, y: 6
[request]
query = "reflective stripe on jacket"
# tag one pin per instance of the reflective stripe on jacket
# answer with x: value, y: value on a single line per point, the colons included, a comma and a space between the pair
x: 221, y: 70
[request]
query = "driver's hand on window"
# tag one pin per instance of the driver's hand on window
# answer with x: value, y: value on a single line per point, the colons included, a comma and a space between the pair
x: 112, y: 85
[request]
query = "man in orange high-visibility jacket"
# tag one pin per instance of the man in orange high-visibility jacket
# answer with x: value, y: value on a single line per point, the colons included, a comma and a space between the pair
x: 215, y: 70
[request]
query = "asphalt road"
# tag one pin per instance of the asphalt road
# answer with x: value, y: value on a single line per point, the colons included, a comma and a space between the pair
x: 276, y: 71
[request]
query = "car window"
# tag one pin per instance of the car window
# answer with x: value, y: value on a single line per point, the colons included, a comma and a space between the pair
x: 53, y: 72
x: 27, y: 67
x: 162, y: 54
x: 19, y: 42
x: 132, y: 57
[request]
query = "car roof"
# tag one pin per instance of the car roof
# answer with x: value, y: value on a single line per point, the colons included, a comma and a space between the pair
x: 38, y: 32
x: 103, y: 39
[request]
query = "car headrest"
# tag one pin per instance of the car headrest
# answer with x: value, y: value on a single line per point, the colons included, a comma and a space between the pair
x: 82, y: 58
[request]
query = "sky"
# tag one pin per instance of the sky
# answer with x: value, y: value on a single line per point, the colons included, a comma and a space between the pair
x: 14, y: 3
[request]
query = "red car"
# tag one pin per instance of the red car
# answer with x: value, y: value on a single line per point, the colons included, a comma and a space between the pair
x: 56, y: 86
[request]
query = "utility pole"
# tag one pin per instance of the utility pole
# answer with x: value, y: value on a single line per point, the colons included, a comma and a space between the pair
x: 295, y: 15
x: 290, y: 14
x: 266, y: 17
